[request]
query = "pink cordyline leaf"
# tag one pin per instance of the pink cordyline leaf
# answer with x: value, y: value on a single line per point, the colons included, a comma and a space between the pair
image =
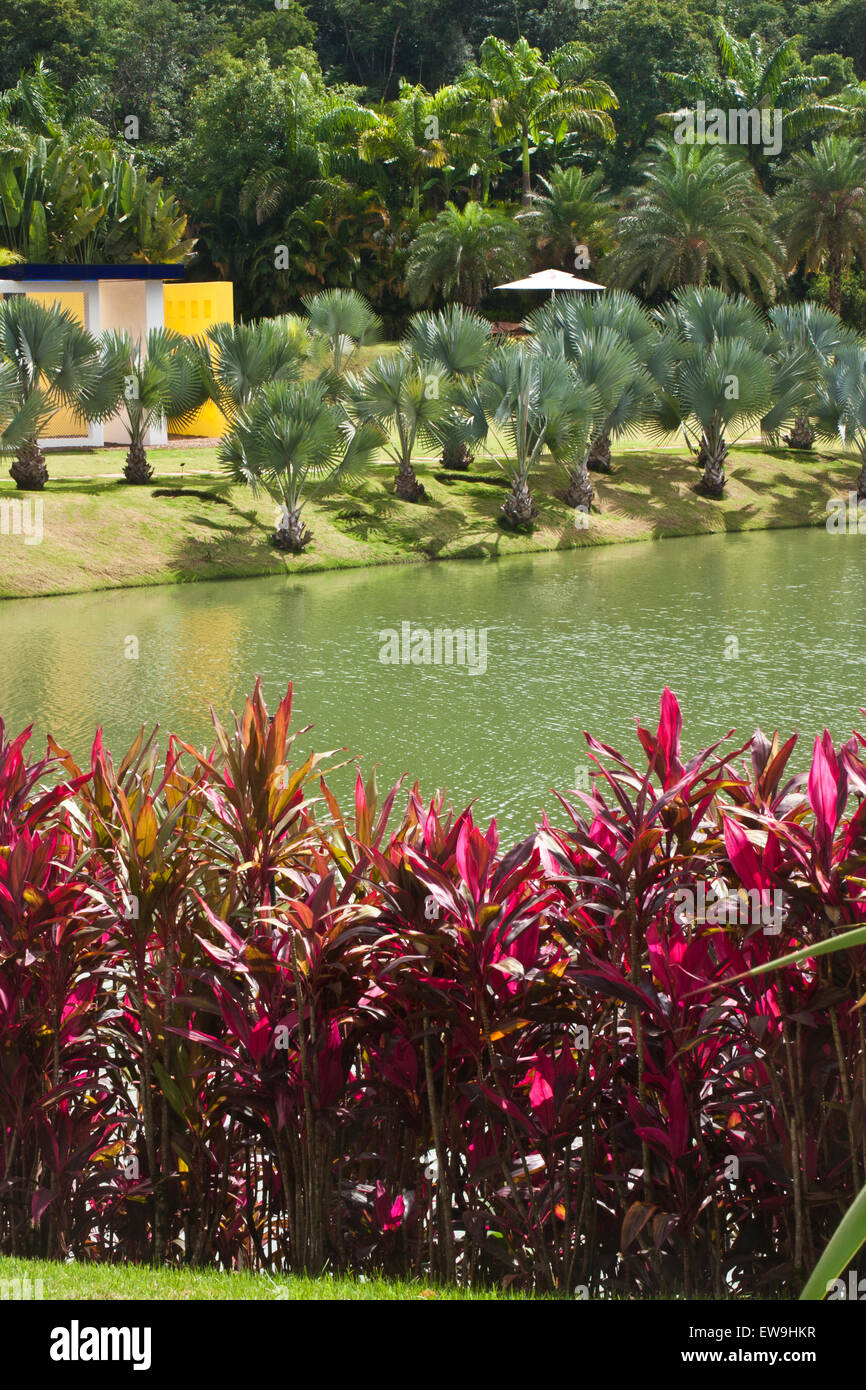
x: 389, y: 1212
x: 827, y: 786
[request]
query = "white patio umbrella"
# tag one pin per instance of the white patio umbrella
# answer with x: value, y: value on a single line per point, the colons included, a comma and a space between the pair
x: 550, y: 280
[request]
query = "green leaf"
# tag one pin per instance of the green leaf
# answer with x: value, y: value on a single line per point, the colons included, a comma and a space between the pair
x: 846, y: 1240
x: 843, y: 942
x: 170, y: 1089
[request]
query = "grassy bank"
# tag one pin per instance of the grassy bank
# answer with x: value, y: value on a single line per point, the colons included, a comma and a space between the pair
x: 111, y: 1282
x: 98, y: 532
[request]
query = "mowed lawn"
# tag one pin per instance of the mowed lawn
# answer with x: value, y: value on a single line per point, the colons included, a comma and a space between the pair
x: 100, y: 532
x: 111, y: 1282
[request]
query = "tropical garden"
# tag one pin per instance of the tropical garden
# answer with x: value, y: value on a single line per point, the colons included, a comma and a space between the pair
x: 250, y: 1023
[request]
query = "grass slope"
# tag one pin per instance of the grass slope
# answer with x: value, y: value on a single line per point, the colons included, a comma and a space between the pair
x: 109, y: 1282
x: 102, y: 533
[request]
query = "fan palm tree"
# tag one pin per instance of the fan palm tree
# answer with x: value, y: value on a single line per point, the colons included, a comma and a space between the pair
x: 160, y: 383
x: 522, y: 402
x: 461, y: 253
x: 345, y: 319
x: 822, y: 209
x: 18, y: 422
x: 699, y: 213
x: 55, y: 362
x: 524, y: 95
x: 720, y: 379
x: 612, y: 341
x: 394, y: 394
x: 292, y: 433
x: 815, y: 330
x: 573, y: 211
x: 755, y: 77
x: 453, y: 344
x: 840, y: 404
x: 236, y: 360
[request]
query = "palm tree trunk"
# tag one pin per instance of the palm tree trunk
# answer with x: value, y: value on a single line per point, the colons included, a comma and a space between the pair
x: 455, y: 456
x: 581, y: 492
x: 29, y: 470
x: 713, y: 480
x: 861, y: 482
x: 292, y: 534
x: 834, y: 273
x: 518, y: 509
x: 407, y: 485
x: 137, y: 469
x: 802, y: 435
x: 599, y: 453
x: 526, y: 185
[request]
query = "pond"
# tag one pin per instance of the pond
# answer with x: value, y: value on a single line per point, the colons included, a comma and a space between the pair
x: 762, y: 628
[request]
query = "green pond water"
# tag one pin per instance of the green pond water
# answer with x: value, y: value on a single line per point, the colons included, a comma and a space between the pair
x: 759, y: 629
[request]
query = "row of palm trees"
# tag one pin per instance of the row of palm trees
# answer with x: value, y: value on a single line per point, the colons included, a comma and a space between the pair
x: 709, y: 366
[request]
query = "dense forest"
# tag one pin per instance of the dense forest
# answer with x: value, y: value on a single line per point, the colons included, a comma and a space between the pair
x: 381, y: 146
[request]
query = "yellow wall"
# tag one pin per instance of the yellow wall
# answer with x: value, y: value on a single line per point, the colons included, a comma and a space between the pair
x: 190, y: 310
x: 63, y: 423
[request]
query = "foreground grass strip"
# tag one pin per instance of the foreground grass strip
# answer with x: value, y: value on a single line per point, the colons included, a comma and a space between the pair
x: 112, y: 1282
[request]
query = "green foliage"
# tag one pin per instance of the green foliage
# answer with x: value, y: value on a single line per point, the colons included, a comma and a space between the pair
x: 294, y: 182
x: 725, y: 375
x: 698, y: 214
x: 461, y: 254
x: 56, y: 362
x: 161, y: 380
x: 822, y: 209
x: 345, y: 319
x: 59, y: 31
x: 237, y: 360
x: 573, y: 211
x: 752, y: 75
x: 68, y: 193
x: 521, y: 403
x: 523, y: 96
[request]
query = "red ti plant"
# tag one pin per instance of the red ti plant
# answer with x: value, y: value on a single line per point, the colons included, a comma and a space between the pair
x: 54, y: 1105
x: 239, y: 1026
